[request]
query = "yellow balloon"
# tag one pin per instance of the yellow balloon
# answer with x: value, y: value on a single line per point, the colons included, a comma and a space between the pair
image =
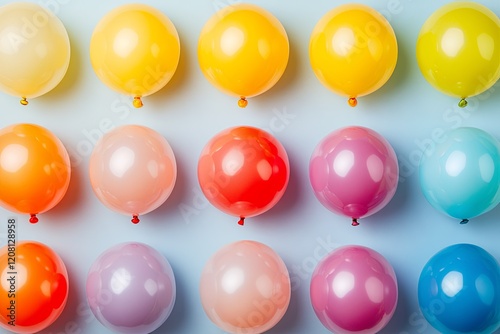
x: 353, y: 50
x: 135, y: 50
x: 34, y: 50
x: 243, y: 51
x: 458, y: 49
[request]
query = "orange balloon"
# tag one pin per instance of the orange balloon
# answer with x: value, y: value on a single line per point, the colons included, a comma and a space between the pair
x: 34, y: 169
x: 35, y: 296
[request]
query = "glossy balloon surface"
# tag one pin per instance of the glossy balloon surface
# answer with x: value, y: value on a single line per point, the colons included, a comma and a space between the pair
x: 39, y: 290
x: 459, y: 290
x: 458, y: 49
x: 131, y: 288
x: 133, y: 169
x: 354, y: 172
x: 245, y: 288
x: 34, y: 50
x: 35, y: 169
x: 354, y: 290
x: 243, y: 171
x: 243, y: 50
x: 461, y: 176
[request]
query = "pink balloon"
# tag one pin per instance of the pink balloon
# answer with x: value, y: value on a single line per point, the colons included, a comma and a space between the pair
x: 245, y: 288
x: 354, y: 290
x: 133, y: 170
x: 354, y: 172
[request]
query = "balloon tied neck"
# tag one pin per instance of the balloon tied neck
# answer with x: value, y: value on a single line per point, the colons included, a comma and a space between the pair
x: 464, y: 221
x: 137, y: 102
x: 33, y: 218
x: 135, y: 219
x: 462, y: 103
x: 242, y: 102
x: 241, y: 221
x: 24, y: 101
x: 355, y: 222
x: 352, y: 102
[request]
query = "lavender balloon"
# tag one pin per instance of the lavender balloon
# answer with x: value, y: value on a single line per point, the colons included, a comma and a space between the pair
x: 131, y: 288
x: 354, y: 172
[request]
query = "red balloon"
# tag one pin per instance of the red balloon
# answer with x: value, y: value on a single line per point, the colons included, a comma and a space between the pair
x: 34, y: 288
x: 243, y: 171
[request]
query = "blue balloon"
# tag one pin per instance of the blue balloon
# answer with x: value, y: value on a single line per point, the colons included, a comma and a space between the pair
x: 459, y: 290
x: 461, y: 176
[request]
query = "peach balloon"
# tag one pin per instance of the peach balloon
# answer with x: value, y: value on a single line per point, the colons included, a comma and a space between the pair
x: 34, y: 169
x: 133, y: 170
x: 245, y: 288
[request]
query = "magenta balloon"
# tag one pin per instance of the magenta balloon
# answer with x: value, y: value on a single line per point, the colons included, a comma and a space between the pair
x: 133, y: 170
x: 245, y: 288
x: 354, y: 172
x: 131, y: 288
x: 354, y: 290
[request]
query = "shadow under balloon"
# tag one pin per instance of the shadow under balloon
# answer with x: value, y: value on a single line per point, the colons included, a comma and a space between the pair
x: 291, y: 318
x: 169, y: 210
x: 177, y: 83
x: 402, y: 74
x: 72, y: 200
x: 73, y: 311
x: 294, y: 194
x: 177, y: 319
x: 405, y: 317
x: 282, y: 88
x: 73, y: 75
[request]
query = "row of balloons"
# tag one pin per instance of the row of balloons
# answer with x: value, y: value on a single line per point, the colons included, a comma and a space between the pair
x: 243, y: 50
x: 244, y: 171
x: 245, y: 288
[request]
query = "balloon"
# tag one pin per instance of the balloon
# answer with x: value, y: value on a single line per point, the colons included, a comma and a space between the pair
x: 354, y: 290
x: 131, y: 288
x: 34, y: 50
x: 245, y: 288
x: 243, y: 51
x: 132, y: 170
x: 354, y: 172
x: 34, y: 169
x: 243, y: 171
x: 34, y: 287
x: 458, y: 49
x: 459, y: 290
x: 353, y: 51
x: 461, y: 177
x: 135, y: 50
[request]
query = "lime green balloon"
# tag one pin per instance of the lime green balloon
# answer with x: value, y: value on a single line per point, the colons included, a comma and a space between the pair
x: 458, y: 49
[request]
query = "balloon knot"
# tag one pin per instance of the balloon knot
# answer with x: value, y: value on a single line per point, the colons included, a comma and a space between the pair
x: 33, y: 218
x: 242, y: 102
x: 464, y: 221
x: 23, y: 101
x: 462, y: 103
x: 352, y: 102
x: 241, y: 221
x: 135, y: 219
x: 137, y: 102
x: 355, y: 222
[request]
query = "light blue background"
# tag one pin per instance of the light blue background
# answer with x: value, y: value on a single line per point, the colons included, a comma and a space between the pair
x: 299, y: 111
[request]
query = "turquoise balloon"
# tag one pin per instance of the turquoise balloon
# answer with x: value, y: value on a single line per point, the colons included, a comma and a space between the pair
x: 461, y: 177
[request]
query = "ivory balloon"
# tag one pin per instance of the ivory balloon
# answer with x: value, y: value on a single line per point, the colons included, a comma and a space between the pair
x: 34, y: 50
